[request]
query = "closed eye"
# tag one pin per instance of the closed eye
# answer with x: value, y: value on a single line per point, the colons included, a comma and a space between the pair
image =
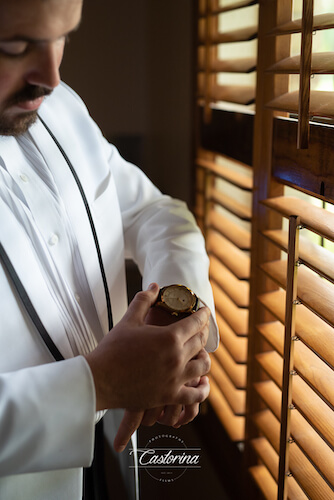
x: 14, y: 47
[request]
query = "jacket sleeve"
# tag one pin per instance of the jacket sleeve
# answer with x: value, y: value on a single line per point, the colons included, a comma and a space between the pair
x: 161, y: 236
x: 47, y: 426
x: 160, y: 233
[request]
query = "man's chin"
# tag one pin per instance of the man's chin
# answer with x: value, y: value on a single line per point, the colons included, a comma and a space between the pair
x: 18, y: 125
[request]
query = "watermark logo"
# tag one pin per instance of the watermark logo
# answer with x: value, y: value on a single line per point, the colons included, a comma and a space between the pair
x: 166, y: 458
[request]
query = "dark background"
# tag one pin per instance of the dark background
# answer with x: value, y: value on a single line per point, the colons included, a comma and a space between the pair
x: 131, y: 62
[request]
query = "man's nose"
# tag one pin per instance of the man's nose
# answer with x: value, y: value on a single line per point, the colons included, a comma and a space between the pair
x: 44, y: 70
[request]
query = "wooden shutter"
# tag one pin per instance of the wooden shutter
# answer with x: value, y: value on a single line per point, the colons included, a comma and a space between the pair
x: 287, y: 403
x: 291, y: 391
x: 227, y: 49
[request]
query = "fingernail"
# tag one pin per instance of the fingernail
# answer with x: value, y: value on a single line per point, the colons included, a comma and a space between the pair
x: 152, y: 286
x: 121, y: 448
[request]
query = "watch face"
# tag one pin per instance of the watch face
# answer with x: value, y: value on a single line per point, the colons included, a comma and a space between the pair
x: 178, y: 298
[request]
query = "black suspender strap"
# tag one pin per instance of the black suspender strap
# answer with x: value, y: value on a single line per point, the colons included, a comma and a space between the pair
x: 19, y: 286
x: 90, y: 218
x: 94, y: 483
x: 29, y: 306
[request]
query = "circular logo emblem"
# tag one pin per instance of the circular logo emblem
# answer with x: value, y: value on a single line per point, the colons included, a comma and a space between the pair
x: 166, y: 458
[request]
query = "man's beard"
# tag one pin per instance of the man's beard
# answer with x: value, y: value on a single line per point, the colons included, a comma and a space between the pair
x: 18, y: 124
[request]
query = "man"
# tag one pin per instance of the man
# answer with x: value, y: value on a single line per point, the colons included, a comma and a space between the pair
x: 71, y: 209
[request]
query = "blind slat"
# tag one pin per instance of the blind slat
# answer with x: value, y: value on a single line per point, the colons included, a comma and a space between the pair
x: 240, y: 237
x: 240, y: 65
x: 314, y: 371
x: 235, y: 371
x: 232, y: 6
x: 307, y: 438
x: 231, y: 256
x: 233, y: 424
x: 303, y: 471
x: 235, y: 397
x: 265, y: 481
x: 236, y: 317
x: 236, y: 346
x: 269, y: 456
x: 317, y: 334
x: 238, y: 94
x: 242, y: 181
x: 322, y: 63
x: 320, y: 22
x: 321, y: 103
x: 314, y: 218
x: 313, y: 292
x: 236, y: 289
x: 235, y: 5
x: 314, y: 256
x: 237, y: 35
x: 314, y: 409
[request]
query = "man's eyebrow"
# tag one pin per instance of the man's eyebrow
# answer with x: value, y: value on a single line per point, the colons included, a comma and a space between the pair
x: 23, y: 38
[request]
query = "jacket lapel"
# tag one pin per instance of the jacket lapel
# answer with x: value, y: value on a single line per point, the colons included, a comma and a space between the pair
x: 14, y: 239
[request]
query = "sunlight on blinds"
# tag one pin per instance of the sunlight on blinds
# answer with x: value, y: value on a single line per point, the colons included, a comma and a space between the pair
x: 240, y: 19
x: 322, y: 43
x: 227, y: 53
x: 291, y: 192
x: 271, y: 247
x: 238, y: 25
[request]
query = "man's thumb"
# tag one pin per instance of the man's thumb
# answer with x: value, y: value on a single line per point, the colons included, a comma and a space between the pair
x: 142, y: 302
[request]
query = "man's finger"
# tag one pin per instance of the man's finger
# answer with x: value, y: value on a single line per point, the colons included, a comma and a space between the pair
x: 152, y: 416
x: 141, y: 304
x: 129, y: 424
x: 197, y: 367
x: 196, y: 343
x: 194, y: 331
x: 188, y: 414
x: 190, y: 395
x: 171, y: 415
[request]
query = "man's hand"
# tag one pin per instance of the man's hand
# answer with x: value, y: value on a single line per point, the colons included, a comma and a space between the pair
x: 140, y: 366
x: 173, y: 415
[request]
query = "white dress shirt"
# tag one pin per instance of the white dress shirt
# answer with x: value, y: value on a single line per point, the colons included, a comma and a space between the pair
x: 33, y: 198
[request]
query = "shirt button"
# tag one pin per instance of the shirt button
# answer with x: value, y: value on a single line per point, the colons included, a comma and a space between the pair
x: 24, y: 178
x: 77, y: 297
x: 53, y: 240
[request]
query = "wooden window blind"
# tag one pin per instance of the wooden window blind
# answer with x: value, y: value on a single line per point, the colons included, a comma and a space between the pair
x: 226, y: 52
x: 264, y: 199
x: 227, y: 45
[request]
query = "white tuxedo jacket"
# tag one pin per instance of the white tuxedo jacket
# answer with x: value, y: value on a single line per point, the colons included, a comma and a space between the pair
x: 47, y: 408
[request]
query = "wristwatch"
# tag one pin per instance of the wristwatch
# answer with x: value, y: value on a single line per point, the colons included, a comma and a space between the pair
x: 178, y: 300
